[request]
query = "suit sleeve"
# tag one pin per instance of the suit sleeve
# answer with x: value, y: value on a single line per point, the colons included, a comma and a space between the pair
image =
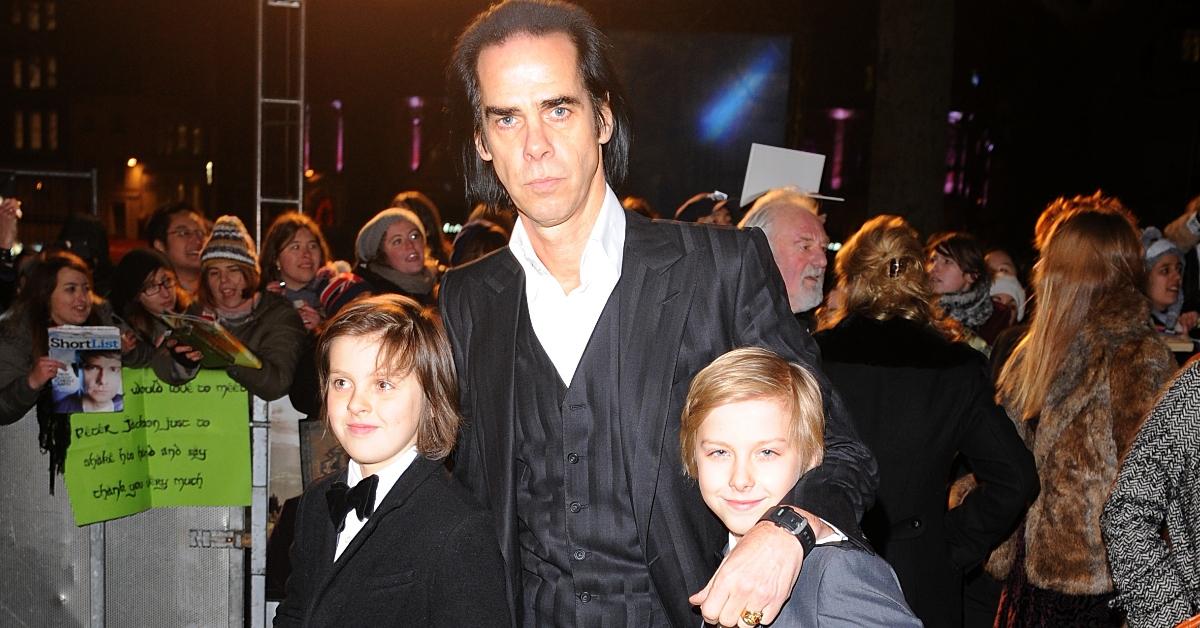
x: 470, y: 585
x: 299, y: 586
x: 860, y: 589
x: 465, y: 457
x: 1006, y: 475
x: 843, y: 486
x: 1148, y: 582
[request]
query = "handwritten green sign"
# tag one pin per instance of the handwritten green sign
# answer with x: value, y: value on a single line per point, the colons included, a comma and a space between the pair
x: 183, y: 445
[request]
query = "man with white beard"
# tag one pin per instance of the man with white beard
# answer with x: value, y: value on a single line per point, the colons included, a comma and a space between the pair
x: 798, y: 242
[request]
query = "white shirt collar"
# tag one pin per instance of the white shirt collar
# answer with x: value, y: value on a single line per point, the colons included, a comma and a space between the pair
x: 388, y: 476
x: 602, y: 255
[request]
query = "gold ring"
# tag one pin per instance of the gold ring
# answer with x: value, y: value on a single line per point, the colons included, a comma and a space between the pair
x: 752, y: 618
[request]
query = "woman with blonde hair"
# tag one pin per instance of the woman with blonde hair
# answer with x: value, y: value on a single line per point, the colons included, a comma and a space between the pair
x: 1077, y: 386
x: 920, y: 398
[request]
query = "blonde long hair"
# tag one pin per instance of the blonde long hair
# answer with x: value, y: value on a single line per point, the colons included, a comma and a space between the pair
x: 1090, y: 252
x: 881, y: 272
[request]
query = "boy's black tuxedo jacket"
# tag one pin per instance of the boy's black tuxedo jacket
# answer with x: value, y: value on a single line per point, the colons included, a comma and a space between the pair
x: 427, y: 557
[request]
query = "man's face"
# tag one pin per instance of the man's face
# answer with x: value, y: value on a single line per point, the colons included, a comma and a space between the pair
x: 539, y: 130
x: 101, y: 378
x: 798, y: 243
x: 185, y: 239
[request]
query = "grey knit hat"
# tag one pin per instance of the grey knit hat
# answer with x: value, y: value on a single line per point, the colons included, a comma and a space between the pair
x: 229, y: 241
x: 366, y: 245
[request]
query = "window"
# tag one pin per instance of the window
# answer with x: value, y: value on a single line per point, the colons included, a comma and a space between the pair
x: 52, y: 71
x: 17, y: 72
x: 35, y: 130
x: 35, y: 72
x: 181, y: 138
x: 197, y: 140
x: 52, y: 130
x: 33, y: 15
x: 19, y: 130
x: 15, y: 14
x: 51, y: 16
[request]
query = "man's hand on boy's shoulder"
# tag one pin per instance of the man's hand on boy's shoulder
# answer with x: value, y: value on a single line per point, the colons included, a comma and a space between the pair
x: 758, y: 575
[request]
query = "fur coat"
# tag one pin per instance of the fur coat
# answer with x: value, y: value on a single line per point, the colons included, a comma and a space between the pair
x: 1109, y: 379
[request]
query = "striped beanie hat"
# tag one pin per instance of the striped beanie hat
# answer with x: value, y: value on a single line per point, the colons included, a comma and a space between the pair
x: 229, y: 241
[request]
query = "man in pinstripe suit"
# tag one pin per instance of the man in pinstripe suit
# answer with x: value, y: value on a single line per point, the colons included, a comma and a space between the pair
x: 575, y: 346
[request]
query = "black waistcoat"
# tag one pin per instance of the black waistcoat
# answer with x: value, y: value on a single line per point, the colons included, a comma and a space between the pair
x: 582, y: 563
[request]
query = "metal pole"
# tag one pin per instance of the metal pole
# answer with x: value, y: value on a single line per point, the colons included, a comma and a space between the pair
x: 258, y: 119
x: 300, y: 117
x: 96, y: 582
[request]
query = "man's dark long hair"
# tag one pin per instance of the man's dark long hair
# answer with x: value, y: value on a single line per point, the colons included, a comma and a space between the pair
x: 537, y: 18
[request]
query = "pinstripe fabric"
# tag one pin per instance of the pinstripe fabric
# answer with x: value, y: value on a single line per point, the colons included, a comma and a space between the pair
x: 582, y: 561
x: 1158, y: 576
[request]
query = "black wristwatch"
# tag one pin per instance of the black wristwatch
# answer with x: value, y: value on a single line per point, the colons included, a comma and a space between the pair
x: 793, y: 524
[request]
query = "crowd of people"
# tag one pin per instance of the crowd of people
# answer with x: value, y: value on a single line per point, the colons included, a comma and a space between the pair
x: 656, y: 423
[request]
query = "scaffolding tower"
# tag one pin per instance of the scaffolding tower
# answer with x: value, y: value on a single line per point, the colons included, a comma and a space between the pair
x: 278, y: 186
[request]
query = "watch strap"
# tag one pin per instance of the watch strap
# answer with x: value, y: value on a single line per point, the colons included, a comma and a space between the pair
x: 793, y: 523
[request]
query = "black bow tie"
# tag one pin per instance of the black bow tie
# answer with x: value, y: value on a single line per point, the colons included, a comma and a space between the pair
x: 342, y: 499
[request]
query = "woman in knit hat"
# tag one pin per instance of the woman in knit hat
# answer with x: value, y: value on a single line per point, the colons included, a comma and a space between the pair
x: 392, y: 258
x: 1164, y: 283
x: 263, y: 321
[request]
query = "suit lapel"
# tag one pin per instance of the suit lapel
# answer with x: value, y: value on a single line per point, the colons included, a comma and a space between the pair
x: 415, y: 475
x: 328, y: 536
x: 498, y: 301
x: 655, y: 294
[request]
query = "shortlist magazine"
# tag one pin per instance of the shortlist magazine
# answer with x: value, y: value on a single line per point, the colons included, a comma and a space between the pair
x: 92, y: 379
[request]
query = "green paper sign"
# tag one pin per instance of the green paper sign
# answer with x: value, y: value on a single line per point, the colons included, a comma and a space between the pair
x: 183, y: 445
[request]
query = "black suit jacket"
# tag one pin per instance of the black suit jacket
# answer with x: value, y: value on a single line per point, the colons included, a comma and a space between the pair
x: 919, y: 401
x: 688, y: 293
x: 426, y: 557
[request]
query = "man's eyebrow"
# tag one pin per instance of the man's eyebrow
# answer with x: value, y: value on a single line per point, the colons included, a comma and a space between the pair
x: 560, y: 101
x: 499, y: 112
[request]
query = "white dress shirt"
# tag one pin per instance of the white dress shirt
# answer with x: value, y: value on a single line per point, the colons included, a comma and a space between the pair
x: 387, y: 479
x: 564, y: 322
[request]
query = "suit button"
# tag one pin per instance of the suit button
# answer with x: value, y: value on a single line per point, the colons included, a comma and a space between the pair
x: 579, y: 554
x: 573, y: 458
x: 585, y: 597
x: 575, y: 507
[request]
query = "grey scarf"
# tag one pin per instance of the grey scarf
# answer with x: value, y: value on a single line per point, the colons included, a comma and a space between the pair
x: 972, y: 307
x: 419, y: 283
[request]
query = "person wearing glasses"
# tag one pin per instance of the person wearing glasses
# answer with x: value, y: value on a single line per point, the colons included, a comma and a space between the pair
x: 178, y: 231
x: 392, y: 258
x: 144, y: 288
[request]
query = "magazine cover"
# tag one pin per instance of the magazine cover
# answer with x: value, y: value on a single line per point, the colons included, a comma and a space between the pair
x: 220, y: 348
x: 92, y: 379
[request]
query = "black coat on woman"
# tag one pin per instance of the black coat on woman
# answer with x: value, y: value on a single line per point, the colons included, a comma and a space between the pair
x: 918, y: 400
x: 428, y: 556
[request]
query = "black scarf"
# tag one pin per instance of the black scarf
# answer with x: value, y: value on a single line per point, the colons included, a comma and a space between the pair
x: 54, y: 434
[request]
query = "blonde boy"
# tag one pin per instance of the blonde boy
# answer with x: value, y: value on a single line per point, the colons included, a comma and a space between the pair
x: 752, y: 425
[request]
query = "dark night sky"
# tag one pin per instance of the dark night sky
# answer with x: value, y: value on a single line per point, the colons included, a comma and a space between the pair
x: 1074, y: 94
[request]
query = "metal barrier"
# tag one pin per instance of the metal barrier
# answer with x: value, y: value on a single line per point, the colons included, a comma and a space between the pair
x: 162, y: 567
